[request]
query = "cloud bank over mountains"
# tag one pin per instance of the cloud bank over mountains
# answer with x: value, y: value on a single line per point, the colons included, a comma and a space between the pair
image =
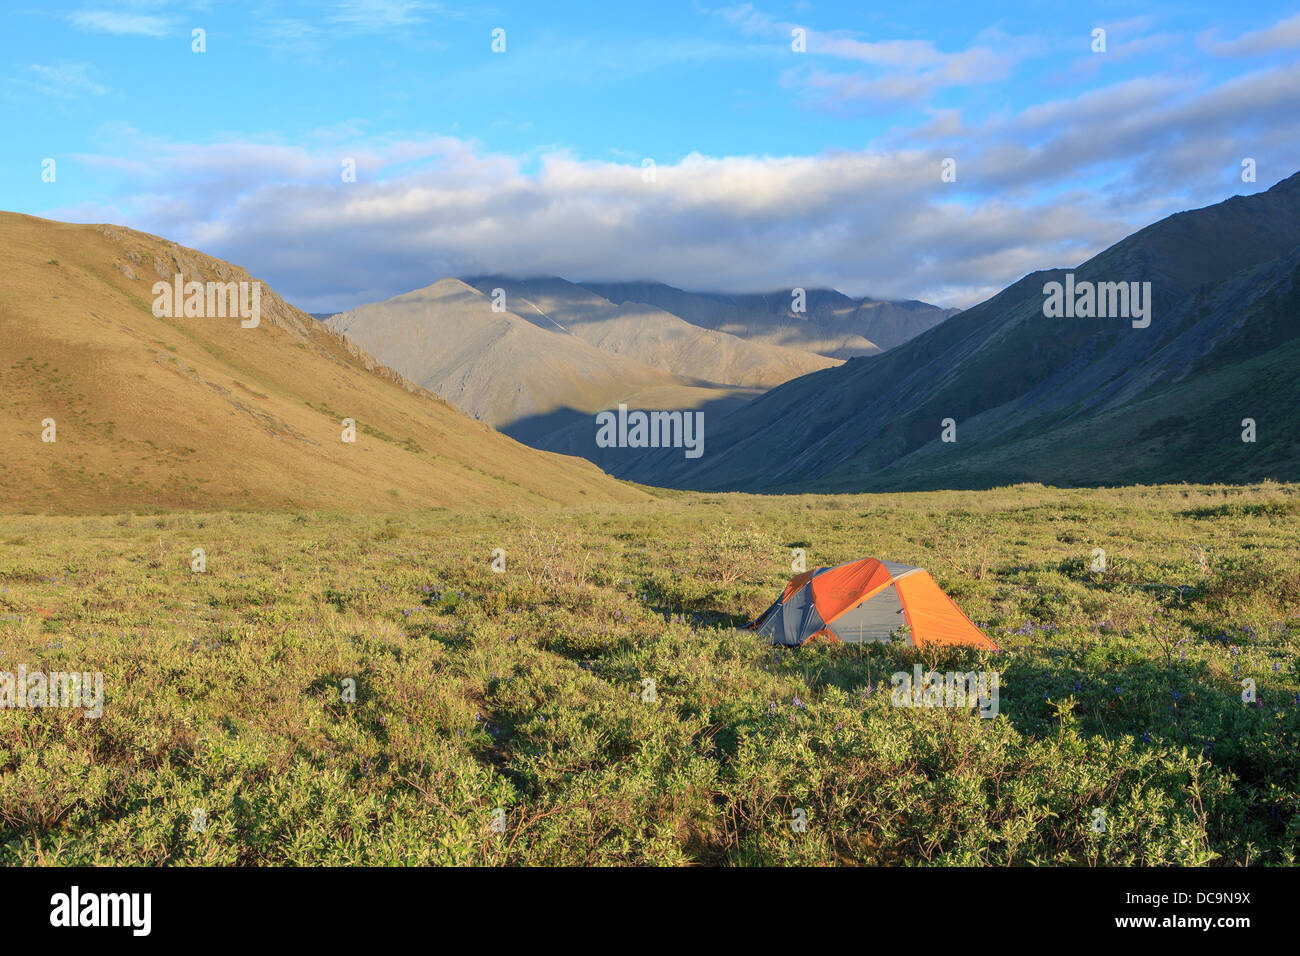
x: 1036, y: 186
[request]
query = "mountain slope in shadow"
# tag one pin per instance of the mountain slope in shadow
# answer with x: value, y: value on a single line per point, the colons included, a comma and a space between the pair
x: 1070, y: 401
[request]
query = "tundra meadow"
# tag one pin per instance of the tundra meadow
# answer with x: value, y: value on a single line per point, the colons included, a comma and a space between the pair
x: 572, y: 686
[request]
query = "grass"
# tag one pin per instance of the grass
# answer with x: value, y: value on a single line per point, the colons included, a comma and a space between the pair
x: 506, y: 718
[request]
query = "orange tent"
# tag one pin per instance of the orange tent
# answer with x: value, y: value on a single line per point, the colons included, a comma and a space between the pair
x: 868, y: 600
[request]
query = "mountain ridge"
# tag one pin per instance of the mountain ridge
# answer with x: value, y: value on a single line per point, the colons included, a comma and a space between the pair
x: 576, y: 352
x: 997, y: 366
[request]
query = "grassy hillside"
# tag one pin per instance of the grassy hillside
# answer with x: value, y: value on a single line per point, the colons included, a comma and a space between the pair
x: 200, y: 412
x: 524, y: 692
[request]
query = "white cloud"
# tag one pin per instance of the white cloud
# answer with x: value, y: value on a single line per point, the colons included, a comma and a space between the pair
x: 863, y: 222
x: 1283, y: 35
x: 62, y: 80
x: 380, y: 14
x: 895, y: 70
x: 122, y: 23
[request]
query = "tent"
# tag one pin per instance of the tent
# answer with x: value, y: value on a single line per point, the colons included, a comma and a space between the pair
x: 868, y: 600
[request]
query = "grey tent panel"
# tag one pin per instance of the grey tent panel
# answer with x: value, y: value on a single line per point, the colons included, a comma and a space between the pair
x: 872, y: 620
x: 812, y: 621
x: 793, y: 614
x: 797, y: 617
x: 759, y: 621
x: 773, y: 623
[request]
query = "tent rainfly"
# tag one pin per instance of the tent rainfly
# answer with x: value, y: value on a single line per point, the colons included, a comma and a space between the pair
x: 868, y: 600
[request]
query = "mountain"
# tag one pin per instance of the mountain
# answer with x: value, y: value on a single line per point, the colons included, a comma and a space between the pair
x: 652, y: 335
x: 207, y: 413
x: 539, y: 358
x: 1067, y: 401
x: 832, y: 324
x: 497, y: 366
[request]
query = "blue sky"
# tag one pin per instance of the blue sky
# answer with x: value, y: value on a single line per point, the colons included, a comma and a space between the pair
x: 772, y: 167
